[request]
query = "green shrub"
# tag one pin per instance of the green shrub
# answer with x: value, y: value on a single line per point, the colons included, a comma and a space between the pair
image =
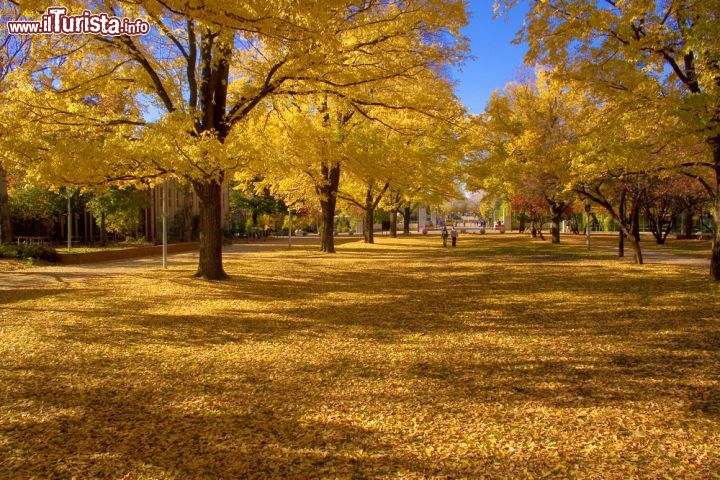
x: 39, y: 252
x: 23, y: 252
x: 8, y: 251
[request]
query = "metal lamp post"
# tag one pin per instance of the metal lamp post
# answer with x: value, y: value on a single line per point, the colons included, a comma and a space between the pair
x: 164, y: 225
x: 289, y: 228
x: 69, y: 220
x: 587, y: 223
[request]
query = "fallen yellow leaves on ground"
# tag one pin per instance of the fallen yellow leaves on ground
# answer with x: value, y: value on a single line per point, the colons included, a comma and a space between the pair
x: 400, y: 359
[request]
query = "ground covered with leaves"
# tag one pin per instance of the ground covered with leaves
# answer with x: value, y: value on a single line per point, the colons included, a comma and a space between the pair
x: 400, y: 359
x: 7, y: 265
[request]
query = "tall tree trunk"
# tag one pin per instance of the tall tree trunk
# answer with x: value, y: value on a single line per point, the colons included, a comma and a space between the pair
x: 669, y: 227
x: 393, y: 222
x: 536, y: 229
x: 658, y: 228
x: 327, y: 217
x: 633, y: 232
x: 627, y: 229
x: 622, y: 211
x: 371, y: 203
x: 86, y: 230
x: 688, y: 226
x: 103, y: 230
x: 715, y: 257
x: 406, y: 220
x: 5, y: 224
x: 521, y: 227
x: 635, y: 221
x: 661, y: 218
x: 636, y: 249
x: 210, y: 265
x: 368, y: 229
x: 328, y: 199
x: 556, y: 210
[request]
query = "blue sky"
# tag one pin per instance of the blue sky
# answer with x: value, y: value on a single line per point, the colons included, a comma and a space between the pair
x: 496, y: 60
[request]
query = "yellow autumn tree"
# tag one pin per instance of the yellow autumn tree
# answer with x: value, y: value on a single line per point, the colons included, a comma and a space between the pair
x: 13, y: 55
x: 185, y: 95
x: 318, y: 140
x: 521, y: 146
x: 379, y: 159
x: 629, y: 51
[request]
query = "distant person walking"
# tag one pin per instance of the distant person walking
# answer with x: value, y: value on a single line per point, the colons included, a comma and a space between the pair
x: 454, y: 236
x: 444, y: 234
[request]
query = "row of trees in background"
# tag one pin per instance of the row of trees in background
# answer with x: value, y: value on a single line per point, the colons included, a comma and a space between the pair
x: 123, y: 214
x: 547, y: 147
x: 627, y: 109
x: 41, y: 212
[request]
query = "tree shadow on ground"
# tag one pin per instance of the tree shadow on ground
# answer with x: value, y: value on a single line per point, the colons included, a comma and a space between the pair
x: 345, y: 367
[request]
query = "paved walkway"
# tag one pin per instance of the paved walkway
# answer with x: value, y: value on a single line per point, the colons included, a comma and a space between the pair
x: 58, y: 274
x: 670, y: 259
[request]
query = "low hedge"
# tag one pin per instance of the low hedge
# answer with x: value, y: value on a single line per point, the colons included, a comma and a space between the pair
x: 24, y: 252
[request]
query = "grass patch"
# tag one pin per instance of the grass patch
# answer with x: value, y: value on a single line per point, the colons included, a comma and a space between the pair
x: 400, y: 359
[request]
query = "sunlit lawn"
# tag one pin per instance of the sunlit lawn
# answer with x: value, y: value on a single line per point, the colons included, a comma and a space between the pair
x: 86, y: 249
x: 10, y: 264
x: 394, y: 360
